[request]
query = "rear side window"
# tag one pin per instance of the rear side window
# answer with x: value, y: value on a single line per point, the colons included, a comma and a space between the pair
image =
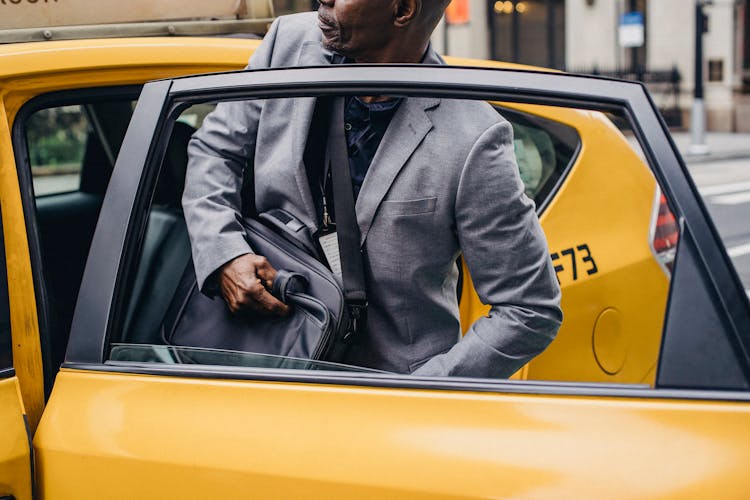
x: 57, y: 140
x: 613, y: 301
x: 544, y: 150
x: 73, y: 147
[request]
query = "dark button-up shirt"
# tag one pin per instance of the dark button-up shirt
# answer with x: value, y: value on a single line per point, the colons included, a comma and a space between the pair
x: 365, y: 125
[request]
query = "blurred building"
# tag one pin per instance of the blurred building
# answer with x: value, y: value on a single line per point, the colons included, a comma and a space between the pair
x: 591, y: 36
x: 587, y: 36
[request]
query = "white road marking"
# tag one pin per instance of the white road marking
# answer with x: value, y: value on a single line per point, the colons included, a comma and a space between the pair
x: 731, y: 187
x: 739, y: 250
x: 731, y: 199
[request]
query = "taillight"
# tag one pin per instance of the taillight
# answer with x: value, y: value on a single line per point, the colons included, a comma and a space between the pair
x: 665, y: 233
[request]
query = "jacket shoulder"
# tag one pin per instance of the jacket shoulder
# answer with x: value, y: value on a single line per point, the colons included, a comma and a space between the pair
x: 298, y: 28
x: 467, y: 118
x: 284, y: 42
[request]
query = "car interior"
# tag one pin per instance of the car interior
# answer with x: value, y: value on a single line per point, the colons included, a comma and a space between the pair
x: 67, y: 216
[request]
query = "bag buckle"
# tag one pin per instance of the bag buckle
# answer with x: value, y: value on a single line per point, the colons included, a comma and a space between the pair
x: 357, y: 320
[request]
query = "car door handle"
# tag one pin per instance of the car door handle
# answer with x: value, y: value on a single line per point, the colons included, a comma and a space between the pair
x: 7, y: 497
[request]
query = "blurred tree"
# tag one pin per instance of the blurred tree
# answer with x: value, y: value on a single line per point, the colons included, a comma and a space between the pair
x: 57, y: 136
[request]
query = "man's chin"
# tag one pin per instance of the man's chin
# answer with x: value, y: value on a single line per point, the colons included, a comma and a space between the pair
x: 331, y: 42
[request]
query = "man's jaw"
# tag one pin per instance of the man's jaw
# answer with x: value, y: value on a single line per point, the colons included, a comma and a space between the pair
x: 329, y: 31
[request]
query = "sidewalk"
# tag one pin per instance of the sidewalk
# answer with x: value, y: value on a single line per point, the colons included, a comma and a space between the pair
x: 722, y: 146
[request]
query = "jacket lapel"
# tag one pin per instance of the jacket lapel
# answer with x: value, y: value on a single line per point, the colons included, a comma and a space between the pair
x: 408, y: 128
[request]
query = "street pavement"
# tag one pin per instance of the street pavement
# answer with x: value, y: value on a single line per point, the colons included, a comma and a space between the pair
x: 723, y: 178
x: 48, y: 184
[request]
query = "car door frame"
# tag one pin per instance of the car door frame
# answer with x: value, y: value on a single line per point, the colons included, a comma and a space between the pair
x: 725, y: 303
x: 57, y: 98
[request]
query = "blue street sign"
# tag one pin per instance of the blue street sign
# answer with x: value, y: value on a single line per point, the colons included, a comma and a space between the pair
x: 631, y: 18
x: 631, y: 30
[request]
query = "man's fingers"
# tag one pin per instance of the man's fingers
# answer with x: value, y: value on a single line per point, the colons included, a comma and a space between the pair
x: 256, y: 298
x: 268, y: 303
x: 265, y: 271
x: 246, y: 283
x: 272, y: 304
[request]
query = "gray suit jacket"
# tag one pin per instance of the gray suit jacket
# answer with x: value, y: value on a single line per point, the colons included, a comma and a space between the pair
x: 444, y: 181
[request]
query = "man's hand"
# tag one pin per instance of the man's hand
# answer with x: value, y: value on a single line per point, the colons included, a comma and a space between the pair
x: 245, y: 281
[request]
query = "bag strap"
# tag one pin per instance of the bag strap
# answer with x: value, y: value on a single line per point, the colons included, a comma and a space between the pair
x: 347, y: 230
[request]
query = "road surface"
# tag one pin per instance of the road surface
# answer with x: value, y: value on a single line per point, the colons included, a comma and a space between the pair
x: 725, y: 186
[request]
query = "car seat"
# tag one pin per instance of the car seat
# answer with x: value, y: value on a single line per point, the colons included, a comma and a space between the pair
x: 166, y: 246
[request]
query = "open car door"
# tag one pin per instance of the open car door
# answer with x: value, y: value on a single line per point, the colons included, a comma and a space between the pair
x: 133, y: 417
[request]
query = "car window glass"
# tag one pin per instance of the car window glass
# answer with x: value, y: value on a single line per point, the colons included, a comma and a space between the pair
x: 57, y: 140
x: 544, y: 149
x: 72, y: 147
x: 610, y: 252
x: 194, y: 115
x: 220, y: 357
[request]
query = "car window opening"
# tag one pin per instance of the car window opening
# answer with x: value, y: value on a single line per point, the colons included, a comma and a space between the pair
x: 547, y: 148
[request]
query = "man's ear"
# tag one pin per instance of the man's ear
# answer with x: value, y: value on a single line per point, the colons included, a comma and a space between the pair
x: 406, y: 11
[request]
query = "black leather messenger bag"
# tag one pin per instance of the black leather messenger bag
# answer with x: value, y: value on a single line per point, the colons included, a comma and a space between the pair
x: 326, y: 314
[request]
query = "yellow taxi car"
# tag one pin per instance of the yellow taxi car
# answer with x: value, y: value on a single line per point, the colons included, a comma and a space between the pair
x: 643, y: 393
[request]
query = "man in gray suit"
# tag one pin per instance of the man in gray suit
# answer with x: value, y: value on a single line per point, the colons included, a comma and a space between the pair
x: 437, y: 179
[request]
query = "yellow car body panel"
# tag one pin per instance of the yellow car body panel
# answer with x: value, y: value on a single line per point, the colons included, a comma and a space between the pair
x: 15, y: 469
x: 137, y: 436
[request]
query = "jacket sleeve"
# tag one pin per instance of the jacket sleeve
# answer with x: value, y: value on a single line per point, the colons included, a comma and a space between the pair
x: 217, y: 155
x: 508, y: 258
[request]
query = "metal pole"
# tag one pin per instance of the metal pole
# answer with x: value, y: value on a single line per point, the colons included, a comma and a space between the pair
x: 618, y: 49
x: 516, y: 34
x: 698, y: 144
x: 633, y: 50
x: 446, y: 39
x: 551, y: 59
x: 491, y: 20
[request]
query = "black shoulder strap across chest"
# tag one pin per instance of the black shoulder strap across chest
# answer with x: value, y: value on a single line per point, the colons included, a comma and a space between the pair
x: 347, y: 230
x: 315, y: 149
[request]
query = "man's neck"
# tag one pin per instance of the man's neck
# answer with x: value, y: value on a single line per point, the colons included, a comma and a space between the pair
x: 415, y: 57
x: 396, y: 55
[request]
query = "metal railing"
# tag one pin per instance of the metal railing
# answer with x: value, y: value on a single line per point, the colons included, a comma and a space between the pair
x: 663, y: 84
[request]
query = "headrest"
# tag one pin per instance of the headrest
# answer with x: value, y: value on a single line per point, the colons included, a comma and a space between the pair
x: 171, y: 181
